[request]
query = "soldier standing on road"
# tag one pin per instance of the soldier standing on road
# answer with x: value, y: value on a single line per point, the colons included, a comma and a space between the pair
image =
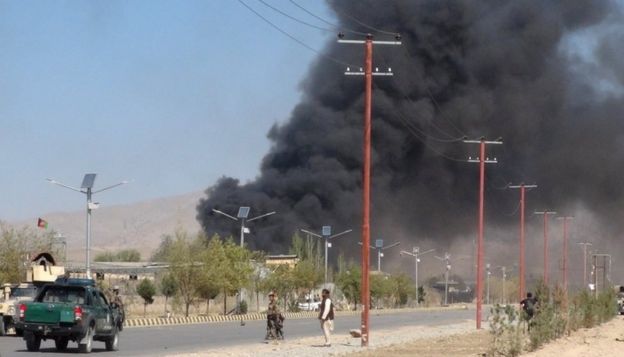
x: 274, y: 319
x: 326, y: 315
x: 117, y: 300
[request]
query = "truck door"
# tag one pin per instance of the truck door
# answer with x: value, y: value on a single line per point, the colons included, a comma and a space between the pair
x: 100, y: 310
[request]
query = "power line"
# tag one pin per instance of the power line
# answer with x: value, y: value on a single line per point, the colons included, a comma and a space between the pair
x: 285, y: 33
x: 433, y: 100
x: 325, y: 21
x: 422, y: 136
x: 431, y: 123
x: 294, y: 18
x: 359, y: 22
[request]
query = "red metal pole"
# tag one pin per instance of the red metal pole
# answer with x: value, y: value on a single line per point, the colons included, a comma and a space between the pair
x: 365, y: 293
x: 545, y: 248
x: 522, y: 273
x: 480, y: 238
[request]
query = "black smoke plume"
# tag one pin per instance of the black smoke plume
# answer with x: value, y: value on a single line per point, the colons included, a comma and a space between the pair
x: 476, y: 68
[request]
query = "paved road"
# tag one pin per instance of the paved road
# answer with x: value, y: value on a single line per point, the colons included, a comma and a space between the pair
x: 161, y: 341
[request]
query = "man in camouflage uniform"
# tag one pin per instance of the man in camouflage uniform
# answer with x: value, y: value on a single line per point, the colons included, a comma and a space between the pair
x: 275, y: 319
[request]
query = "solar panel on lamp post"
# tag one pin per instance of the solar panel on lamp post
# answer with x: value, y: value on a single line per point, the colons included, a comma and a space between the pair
x: 87, y: 188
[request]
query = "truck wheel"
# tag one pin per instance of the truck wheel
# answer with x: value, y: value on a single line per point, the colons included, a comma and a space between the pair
x: 112, y: 343
x: 33, y: 342
x: 2, y: 326
x: 87, y: 342
x: 61, y: 343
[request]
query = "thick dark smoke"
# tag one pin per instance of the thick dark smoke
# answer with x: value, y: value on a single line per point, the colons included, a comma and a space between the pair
x: 476, y: 68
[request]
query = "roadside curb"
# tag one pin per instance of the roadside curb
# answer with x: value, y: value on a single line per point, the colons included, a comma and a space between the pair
x: 163, y: 321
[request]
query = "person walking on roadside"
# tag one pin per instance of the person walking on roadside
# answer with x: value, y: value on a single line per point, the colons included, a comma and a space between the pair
x: 326, y: 315
x: 529, y: 307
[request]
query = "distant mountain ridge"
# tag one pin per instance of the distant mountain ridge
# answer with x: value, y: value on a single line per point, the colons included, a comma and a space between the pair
x: 137, y: 226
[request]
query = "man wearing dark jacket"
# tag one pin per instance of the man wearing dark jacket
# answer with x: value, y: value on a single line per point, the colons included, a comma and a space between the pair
x: 326, y: 315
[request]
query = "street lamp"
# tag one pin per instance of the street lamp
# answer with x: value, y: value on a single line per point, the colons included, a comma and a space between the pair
x: 447, y: 263
x: 416, y: 253
x: 243, y: 213
x: 379, y: 247
x: 87, y: 188
x: 326, y: 233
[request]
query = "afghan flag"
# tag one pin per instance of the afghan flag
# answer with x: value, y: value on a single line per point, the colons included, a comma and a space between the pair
x: 42, y: 223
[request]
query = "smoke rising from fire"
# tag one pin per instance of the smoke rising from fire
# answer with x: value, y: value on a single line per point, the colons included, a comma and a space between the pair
x: 473, y: 68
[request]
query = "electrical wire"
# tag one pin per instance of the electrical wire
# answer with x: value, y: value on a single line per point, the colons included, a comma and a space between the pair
x: 405, y: 54
x: 294, y: 18
x: 431, y: 123
x: 416, y: 132
x: 325, y: 21
x: 285, y: 33
x: 361, y: 23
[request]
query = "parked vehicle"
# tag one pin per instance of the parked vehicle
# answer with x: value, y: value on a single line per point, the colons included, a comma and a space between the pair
x: 70, y: 310
x: 12, y: 296
x: 309, y: 305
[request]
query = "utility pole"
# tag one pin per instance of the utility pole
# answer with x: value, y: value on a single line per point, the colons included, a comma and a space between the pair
x: 482, y: 161
x: 522, y: 273
x: 368, y: 99
x: 545, y: 213
x: 416, y: 253
x: 584, y: 244
x: 565, y: 220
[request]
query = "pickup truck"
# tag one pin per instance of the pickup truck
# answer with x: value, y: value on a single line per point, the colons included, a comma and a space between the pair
x: 70, y: 310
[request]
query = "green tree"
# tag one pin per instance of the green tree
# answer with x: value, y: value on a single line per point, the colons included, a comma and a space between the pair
x: 212, y: 276
x: 259, y: 274
x: 238, y: 269
x: 279, y: 280
x: 306, y: 276
x: 168, y: 287
x: 349, y: 280
x: 124, y: 255
x: 403, y: 288
x: 183, y: 261
x: 18, y: 246
x: 146, y: 290
x: 161, y: 254
x: 381, y: 288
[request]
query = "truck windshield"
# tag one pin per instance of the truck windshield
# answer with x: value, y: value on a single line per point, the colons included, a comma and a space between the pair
x: 24, y: 292
x: 63, y: 294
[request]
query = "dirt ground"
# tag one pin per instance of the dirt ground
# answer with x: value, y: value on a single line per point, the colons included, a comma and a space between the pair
x: 604, y: 341
x: 463, y: 345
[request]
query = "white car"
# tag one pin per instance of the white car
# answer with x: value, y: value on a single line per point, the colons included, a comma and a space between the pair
x: 310, y: 305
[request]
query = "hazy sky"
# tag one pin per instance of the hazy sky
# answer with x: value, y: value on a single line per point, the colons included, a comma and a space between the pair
x: 169, y: 94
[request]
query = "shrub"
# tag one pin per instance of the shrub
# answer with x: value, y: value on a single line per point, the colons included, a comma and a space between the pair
x: 243, y: 307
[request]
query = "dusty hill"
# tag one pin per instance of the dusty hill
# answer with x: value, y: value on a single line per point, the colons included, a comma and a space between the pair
x: 139, y: 225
